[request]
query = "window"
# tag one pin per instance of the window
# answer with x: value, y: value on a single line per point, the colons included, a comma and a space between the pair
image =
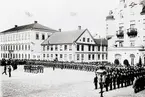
x: 78, y: 56
x: 51, y: 55
x: 51, y: 47
x: 28, y: 47
x: 61, y: 56
x: 89, y: 56
x: 93, y: 57
x: 16, y: 47
x: 19, y: 47
x: 22, y: 47
x: 70, y: 56
x: 98, y: 56
x: 103, y: 56
x: 25, y: 56
x: 82, y: 47
x: 106, y: 56
x: 89, y: 48
x: 47, y: 48
x: 60, y: 47
x: 43, y: 55
x: 70, y: 47
x: 43, y: 37
x: 29, y: 56
x: 56, y: 48
x: 78, y: 48
x: 47, y: 55
x: 43, y: 48
x: 37, y: 36
x: 84, y: 39
x: 93, y: 48
x: 98, y: 48
x: 88, y: 39
x: 132, y: 43
x: 25, y: 47
x: 102, y: 48
x: 82, y: 57
x: 65, y: 47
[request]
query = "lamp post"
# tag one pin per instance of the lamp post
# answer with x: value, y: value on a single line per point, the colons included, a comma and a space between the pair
x: 101, y: 72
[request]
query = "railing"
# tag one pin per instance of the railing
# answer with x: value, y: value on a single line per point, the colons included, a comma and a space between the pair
x: 120, y: 34
x: 132, y: 32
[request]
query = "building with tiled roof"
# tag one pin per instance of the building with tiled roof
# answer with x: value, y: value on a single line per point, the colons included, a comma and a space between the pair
x: 24, y: 42
x: 77, y: 46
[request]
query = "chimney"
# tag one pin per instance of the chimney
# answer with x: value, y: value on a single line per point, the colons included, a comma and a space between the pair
x: 79, y: 27
x: 59, y: 30
x: 16, y: 26
x: 35, y: 21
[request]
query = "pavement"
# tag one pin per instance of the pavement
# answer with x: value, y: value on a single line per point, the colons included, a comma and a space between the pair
x: 57, y: 83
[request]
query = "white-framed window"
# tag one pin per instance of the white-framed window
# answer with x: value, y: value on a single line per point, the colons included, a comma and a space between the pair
x: 60, y: 47
x: 65, y: 47
x: 78, y: 56
x: 70, y: 47
x: 37, y: 36
x: 70, y: 56
x: 43, y: 36
x: 56, y: 47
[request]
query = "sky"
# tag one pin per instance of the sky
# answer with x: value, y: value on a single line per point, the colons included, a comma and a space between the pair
x: 57, y: 14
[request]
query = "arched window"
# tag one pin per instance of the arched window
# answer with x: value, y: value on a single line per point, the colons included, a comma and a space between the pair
x: 118, y: 56
x: 132, y: 56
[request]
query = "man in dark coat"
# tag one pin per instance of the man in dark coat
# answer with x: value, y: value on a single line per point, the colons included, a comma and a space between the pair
x: 5, y: 67
x: 9, y: 70
x: 96, y: 82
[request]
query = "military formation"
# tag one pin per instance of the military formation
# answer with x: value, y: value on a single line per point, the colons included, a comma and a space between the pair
x: 119, y: 78
x: 33, y: 69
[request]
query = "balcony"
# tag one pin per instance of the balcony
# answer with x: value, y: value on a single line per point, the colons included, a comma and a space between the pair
x: 120, y: 34
x: 132, y: 32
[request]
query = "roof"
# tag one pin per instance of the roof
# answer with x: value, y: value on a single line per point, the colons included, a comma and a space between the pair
x: 34, y: 25
x: 64, y: 37
x: 101, y: 41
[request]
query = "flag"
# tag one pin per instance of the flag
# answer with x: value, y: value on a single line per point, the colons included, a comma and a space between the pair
x: 73, y: 13
x: 28, y: 14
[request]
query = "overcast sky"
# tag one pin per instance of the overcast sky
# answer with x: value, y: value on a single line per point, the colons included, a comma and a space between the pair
x: 64, y: 14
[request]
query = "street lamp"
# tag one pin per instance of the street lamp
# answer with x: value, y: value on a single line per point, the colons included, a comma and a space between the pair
x: 101, y: 72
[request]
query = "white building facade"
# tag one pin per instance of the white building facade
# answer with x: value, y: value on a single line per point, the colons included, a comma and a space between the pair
x: 71, y: 46
x: 125, y: 29
x: 23, y: 42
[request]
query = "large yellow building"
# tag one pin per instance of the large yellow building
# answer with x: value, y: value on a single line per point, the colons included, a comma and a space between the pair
x: 125, y: 29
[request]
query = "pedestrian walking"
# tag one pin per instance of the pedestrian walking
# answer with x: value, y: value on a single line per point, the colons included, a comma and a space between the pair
x: 5, y: 70
x: 9, y: 70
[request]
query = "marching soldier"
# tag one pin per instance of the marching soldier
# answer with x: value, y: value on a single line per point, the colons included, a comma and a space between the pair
x: 9, y: 70
x: 107, y: 81
x: 110, y: 81
x: 96, y: 81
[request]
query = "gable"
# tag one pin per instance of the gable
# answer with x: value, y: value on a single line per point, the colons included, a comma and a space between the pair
x: 86, y: 38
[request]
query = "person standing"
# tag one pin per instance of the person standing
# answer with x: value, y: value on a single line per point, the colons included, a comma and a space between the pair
x: 96, y: 82
x: 9, y: 70
x: 5, y: 67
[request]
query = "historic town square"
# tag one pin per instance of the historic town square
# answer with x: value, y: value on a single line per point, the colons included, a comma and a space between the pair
x: 72, y: 48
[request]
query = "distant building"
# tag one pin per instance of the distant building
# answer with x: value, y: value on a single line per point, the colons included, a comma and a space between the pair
x: 76, y: 46
x: 125, y: 29
x: 23, y: 42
